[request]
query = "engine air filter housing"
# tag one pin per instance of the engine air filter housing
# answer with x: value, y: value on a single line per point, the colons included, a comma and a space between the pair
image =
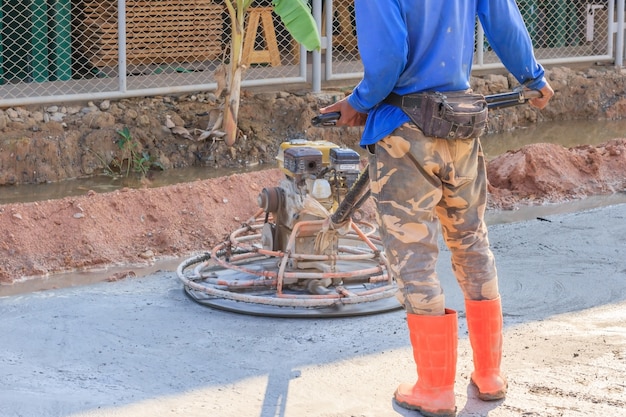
x: 303, y: 160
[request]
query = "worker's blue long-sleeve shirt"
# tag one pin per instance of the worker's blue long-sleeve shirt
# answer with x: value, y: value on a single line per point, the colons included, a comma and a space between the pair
x: 410, y: 46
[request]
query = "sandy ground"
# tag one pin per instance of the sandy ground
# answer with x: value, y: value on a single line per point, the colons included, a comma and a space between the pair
x: 140, y: 347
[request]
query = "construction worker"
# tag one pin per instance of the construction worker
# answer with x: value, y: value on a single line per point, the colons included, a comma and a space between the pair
x: 422, y: 182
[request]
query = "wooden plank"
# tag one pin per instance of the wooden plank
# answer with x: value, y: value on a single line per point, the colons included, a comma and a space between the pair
x: 147, y: 55
x: 191, y: 33
x: 170, y: 10
x: 201, y: 52
x: 146, y: 60
x: 175, y: 26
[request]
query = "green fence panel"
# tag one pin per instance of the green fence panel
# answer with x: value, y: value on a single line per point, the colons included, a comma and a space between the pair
x: 38, y: 59
x: 35, y: 40
x: 61, y: 41
x: 530, y: 13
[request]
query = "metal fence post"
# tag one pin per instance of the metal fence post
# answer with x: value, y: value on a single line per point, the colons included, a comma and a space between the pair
x: 619, y: 44
x: 121, y: 33
x: 316, y: 65
x: 480, y: 48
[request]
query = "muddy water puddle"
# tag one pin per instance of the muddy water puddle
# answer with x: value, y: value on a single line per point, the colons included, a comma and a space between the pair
x: 87, y: 277
x: 103, y: 184
x: 544, y: 211
x: 565, y: 133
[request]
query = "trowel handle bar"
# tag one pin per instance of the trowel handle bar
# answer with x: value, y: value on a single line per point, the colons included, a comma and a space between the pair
x: 355, y: 197
x: 514, y: 98
x: 494, y: 101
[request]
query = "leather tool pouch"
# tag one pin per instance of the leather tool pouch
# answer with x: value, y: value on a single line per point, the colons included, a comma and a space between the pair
x: 449, y: 115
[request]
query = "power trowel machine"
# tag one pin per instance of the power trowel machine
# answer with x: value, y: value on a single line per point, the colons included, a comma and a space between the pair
x: 305, y: 252
x: 308, y: 251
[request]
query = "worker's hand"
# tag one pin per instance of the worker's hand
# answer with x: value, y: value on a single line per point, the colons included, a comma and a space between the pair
x: 349, y: 116
x: 546, y: 94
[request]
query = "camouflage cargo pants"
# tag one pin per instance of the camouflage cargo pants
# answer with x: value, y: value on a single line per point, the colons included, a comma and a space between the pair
x: 419, y: 183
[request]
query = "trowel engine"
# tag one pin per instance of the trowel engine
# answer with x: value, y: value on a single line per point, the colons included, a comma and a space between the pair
x: 318, y: 175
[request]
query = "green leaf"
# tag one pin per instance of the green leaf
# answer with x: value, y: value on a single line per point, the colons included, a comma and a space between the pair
x: 297, y: 17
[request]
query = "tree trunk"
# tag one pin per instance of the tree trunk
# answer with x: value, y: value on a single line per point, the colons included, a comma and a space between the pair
x: 235, y: 69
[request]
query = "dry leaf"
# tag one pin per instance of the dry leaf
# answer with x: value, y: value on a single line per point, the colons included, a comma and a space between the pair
x: 181, y: 131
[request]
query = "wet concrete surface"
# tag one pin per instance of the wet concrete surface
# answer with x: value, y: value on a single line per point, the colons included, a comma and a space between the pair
x: 140, y: 347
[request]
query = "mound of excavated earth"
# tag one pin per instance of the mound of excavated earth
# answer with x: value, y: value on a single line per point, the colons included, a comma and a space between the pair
x: 543, y: 172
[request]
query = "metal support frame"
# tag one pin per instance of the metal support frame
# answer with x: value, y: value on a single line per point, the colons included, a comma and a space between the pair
x: 619, y: 47
x: 316, y: 56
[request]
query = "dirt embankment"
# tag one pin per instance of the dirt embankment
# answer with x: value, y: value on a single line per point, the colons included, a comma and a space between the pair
x: 55, y: 142
x: 138, y: 226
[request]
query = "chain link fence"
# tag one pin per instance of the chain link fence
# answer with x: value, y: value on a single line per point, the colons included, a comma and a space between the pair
x: 342, y: 60
x: 53, y: 50
x: 563, y: 31
x: 63, y: 50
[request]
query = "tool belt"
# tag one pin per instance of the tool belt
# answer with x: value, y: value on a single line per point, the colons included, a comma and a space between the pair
x: 449, y: 115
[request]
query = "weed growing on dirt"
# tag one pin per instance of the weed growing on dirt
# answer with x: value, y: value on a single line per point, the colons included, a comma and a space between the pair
x: 132, y: 157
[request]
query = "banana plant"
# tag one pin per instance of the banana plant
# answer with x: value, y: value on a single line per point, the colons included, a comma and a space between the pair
x: 298, y: 20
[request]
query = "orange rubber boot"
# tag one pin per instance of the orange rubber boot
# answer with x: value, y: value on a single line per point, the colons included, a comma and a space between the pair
x: 434, y: 340
x: 484, y: 322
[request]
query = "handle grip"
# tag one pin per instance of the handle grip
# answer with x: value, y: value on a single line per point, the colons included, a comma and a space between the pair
x: 326, y: 119
x: 514, y: 98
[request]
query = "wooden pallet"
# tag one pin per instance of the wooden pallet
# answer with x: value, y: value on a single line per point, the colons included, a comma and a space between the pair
x: 157, y: 32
